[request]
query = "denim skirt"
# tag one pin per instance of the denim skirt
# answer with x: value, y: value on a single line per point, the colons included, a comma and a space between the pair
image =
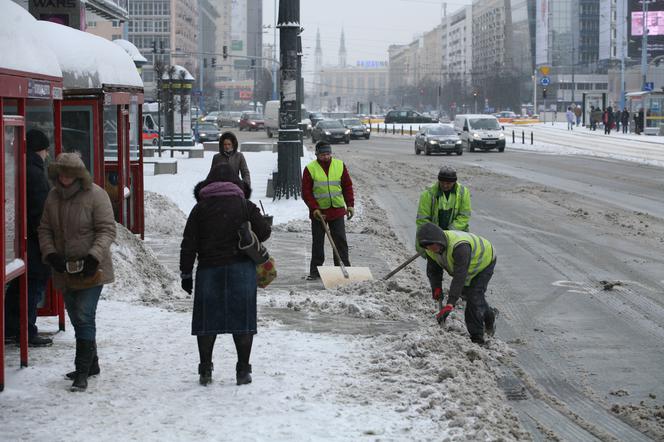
x: 225, y: 299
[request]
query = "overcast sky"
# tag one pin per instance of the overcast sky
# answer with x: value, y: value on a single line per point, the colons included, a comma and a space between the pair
x: 370, y: 26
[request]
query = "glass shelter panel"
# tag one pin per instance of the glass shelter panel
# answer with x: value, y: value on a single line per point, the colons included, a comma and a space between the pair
x: 11, y: 140
x: 39, y: 115
x: 77, y: 133
x: 111, y: 132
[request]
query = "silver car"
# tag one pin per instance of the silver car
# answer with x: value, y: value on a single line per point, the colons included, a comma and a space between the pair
x: 438, y: 138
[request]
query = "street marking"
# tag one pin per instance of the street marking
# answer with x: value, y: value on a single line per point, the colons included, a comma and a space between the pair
x: 573, y: 286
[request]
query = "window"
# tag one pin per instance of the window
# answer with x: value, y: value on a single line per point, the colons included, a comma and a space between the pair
x: 11, y: 140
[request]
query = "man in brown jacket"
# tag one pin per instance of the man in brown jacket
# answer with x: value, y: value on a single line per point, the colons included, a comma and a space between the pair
x: 75, y: 235
x: 228, y: 154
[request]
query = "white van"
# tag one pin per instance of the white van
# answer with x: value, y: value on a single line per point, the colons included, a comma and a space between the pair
x: 480, y: 132
x: 271, y: 118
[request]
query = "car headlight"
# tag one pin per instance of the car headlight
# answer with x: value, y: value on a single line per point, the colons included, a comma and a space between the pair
x: 203, y: 134
x: 347, y: 131
x: 501, y: 136
x: 433, y: 142
x: 367, y: 129
x: 327, y: 132
x: 308, y: 126
x: 476, y: 136
x: 458, y: 142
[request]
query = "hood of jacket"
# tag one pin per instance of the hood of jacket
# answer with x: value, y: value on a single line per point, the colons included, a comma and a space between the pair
x: 430, y: 233
x: 70, y: 164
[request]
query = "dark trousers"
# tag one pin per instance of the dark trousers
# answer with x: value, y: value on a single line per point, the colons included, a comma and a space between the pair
x: 478, y: 312
x: 338, y: 231
x: 36, y: 289
x: 82, y: 308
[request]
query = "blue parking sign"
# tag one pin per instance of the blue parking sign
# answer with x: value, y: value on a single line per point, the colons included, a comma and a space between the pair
x: 545, y: 81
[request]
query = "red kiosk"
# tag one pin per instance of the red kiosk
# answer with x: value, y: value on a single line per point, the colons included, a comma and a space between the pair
x: 30, y: 97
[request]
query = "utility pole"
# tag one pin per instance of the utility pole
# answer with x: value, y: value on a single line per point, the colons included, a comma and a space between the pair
x: 289, y: 147
x: 573, y: 67
x: 644, y: 44
x: 535, y: 92
x: 274, y: 53
x: 623, y: 51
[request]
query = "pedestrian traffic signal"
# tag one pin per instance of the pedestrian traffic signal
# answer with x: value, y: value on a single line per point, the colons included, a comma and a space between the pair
x: 221, y: 95
x: 225, y: 52
x: 544, y: 93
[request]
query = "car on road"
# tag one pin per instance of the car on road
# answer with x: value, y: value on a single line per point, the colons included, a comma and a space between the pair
x: 230, y: 118
x: 356, y: 127
x: 506, y: 116
x: 438, y: 138
x: 331, y: 131
x: 405, y: 116
x: 208, y: 132
x: 315, y: 117
x: 480, y: 131
x: 213, y: 117
x: 251, y: 121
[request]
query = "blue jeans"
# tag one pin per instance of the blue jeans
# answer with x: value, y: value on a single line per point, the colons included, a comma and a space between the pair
x: 82, y: 308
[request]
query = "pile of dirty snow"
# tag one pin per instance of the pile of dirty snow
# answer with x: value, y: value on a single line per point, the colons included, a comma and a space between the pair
x: 162, y: 215
x: 139, y: 276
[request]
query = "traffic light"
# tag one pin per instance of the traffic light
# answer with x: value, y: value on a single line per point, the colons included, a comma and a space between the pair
x: 225, y: 52
x: 213, y: 60
x: 221, y: 95
x: 154, y: 46
x: 205, y: 62
x: 544, y: 93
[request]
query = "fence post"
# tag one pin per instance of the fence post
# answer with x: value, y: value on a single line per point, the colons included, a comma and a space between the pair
x: 531, y: 137
x: 393, y: 129
x: 410, y: 130
x: 512, y: 136
x: 402, y: 129
x: 523, y: 137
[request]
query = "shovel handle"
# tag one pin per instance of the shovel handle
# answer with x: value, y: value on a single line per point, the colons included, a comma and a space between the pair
x: 404, y: 264
x: 334, y: 248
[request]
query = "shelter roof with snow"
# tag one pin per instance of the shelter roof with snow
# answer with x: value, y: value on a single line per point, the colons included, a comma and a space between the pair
x: 132, y: 50
x: 20, y: 47
x: 88, y: 61
x: 176, y: 75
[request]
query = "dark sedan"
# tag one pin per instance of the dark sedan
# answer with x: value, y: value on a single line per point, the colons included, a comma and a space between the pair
x: 405, y: 116
x: 331, y: 131
x: 208, y: 132
x: 438, y: 138
x: 357, y: 129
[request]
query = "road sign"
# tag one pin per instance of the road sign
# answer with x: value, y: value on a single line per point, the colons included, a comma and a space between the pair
x: 649, y: 86
x: 544, y: 70
x: 197, y: 92
x: 545, y: 81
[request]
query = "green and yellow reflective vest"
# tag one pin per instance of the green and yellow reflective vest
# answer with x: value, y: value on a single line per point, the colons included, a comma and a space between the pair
x: 327, y: 186
x: 433, y: 201
x: 481, y: 253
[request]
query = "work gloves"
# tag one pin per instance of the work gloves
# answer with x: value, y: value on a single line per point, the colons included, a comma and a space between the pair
x: 442, y: 315
x: 437, y: 294
x: 187, y: 283
x: 318, y: 214
x: 350, y: 211
x: 90, y: 265
x: 56, y: 261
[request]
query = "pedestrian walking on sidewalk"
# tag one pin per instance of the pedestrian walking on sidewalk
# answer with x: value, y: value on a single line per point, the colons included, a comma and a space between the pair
x: 38, y: 272
x: 624, y: 119
x: 607, y: 119
x: 225, y: 284
x: 569, y: 115
x: 327, y: 190
x: 577, y: 113
x: 228, y: 154
x: 470, y: 260
x: 75, y: 236
x: 446, y: 203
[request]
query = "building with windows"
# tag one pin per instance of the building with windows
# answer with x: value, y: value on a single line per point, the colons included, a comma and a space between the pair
x: 342, y: 88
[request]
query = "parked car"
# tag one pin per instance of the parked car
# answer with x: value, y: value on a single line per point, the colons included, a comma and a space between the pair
x: 271, y: 118
x: 331, y: 131
x: 480, y: 132
x: 315, y: 117
x: 356, y: 127
x: 230, y: 118
x: 506, y: 116
x: 404, y: 116
x: 251, y: 121
x: 213, y: 117
x: 208, y: 132
x: 150, y: 137
x: 438, y: 138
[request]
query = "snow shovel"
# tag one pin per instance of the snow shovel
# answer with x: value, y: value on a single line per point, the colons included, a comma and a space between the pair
x: 333, y: 276
x: 401, y: 266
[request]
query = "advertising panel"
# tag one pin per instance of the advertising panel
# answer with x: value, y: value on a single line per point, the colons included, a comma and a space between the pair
x: 654, y: 23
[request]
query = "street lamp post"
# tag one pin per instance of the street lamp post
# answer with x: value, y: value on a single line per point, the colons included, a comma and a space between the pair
x: 287, y: 183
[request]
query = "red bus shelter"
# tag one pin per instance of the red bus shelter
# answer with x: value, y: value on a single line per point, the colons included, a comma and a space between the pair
x: 30, y: 96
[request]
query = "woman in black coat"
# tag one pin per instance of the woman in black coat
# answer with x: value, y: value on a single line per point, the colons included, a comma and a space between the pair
x: 225, y: 289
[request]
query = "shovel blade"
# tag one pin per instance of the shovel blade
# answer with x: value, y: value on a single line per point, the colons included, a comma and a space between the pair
x: 333, y: 276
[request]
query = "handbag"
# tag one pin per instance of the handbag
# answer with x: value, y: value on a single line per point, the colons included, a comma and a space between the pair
x: 74, y: 278
x: 248, y: 243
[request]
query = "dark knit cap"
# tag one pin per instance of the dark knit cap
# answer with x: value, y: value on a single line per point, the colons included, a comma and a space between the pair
x: 323, y: 147
x: 447, y: 173
x: 36, y: 140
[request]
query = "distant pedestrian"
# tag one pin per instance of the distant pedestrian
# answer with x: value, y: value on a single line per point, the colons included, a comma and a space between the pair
x: 607, y: 119
x: 228, y: 154
x: 570, y: 118
x: 617, y: 119
x: 577, y: 113
x: 596, y: 117
x: 638, y: 122
x: 624, y: 119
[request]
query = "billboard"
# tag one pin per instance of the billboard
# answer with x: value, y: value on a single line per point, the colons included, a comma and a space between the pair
x: 654, y: 23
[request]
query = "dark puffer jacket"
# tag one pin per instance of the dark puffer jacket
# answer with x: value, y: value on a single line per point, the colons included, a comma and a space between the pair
x: 233, y: 158
x: 37, y: 192
x: 211, y: 230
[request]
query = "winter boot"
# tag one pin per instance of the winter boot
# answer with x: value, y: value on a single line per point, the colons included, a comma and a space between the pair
x: 85, y: 352
x: 243, y: 373
x: 94, y: 368
x: 490, y: 322
x: 205, y: 372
